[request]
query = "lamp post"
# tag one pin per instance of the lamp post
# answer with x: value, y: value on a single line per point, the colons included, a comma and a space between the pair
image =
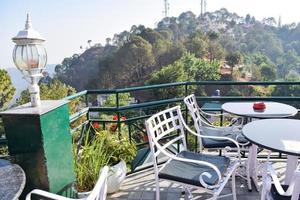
x: 30, y: 58
x: 38, y: 136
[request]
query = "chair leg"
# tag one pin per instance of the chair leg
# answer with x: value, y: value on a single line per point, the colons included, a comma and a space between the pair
x: 157, y: 189
x: 215, y: 196
x: 186, y: 194
x: 266, y: 187
x: 248, y: 171
x: 233, y: 186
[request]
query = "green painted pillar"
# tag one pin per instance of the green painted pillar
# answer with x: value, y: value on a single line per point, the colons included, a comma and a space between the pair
x: 39, y: 141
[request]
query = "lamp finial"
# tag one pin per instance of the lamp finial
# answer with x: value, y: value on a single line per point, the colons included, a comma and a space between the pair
x: 28, y: 24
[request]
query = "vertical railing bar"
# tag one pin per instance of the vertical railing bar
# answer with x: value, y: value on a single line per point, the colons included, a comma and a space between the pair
x: 87, y: 105
x: 186, y: 112
x: 129, y: 132
x: 118, y: 115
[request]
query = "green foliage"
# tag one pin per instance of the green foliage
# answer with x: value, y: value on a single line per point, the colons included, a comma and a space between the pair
x: 233, y: 59
x: 197, y: 44
x: 7, y: 90
x: 53, y: 91
x: 124, y: 100
x: 291, y: 90
x: 100, y: 148
x: 92, y: 157
x: 168, y: 74
x: 268, y: 72
x: 187, y: 68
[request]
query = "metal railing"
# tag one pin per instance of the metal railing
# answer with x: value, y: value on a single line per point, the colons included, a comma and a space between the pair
x: 145, y: 109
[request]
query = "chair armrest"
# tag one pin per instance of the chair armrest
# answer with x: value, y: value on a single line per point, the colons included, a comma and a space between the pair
x: 213, y: 114
x: 240, y: 143
x: 238, y: 154
x: 211, y: 137
x: 42, y: 193
x: 234, y: 119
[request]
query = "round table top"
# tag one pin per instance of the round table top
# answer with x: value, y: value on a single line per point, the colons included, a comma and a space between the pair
x: 12, y: 180
x: 280, y: 135
x: 273, y: 110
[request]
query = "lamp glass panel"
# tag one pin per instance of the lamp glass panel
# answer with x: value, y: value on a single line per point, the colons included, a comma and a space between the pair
x: 42, y: 55
x: 29, y: 57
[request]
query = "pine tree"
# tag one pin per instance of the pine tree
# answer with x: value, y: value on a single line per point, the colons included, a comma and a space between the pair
x: 7, y: 90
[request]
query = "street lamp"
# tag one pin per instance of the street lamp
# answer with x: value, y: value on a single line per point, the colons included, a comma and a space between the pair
x: 30, y: 57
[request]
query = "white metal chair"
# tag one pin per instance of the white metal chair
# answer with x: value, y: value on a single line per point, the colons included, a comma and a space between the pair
x: 165, y: 130
x: 206, y: 116
x: 204, y: 127
x: 273, y: 190
x: 98, y: 193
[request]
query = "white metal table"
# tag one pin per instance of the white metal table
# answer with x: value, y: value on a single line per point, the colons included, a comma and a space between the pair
x: 280, y: 135
x: 273, y: 110
x: 245, y: 109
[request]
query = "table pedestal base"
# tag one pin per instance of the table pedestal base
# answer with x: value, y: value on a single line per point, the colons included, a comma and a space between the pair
x: 291, y: 166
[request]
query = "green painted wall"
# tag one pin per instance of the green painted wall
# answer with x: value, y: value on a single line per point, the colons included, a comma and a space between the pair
x: 39, y: 141
x: 57, y: 144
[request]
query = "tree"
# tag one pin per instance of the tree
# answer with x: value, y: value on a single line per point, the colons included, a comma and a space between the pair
x: 108, y: 40
x: 53, y: 91
x: 233, y: 59
x: 169, y: 74
x: 7, y: 90
x: 268, y: 72
x: 247, y: 19
x: 135, y: 59
x: 187, y: 68
x: 159, y: 44
x: 89, y: 42
x: 197, y: 44
x: 288, y: 90
x: 215, y: 51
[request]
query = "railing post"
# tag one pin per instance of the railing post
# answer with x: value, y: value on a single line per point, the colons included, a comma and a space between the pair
x: 129, y: 132
x: 87, y: 105
x: 118, y: 115
x: 186, y: 112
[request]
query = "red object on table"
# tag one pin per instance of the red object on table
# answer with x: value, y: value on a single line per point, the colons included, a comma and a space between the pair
x: 259, y: 106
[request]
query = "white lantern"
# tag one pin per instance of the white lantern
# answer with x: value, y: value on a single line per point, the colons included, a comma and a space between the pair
x: 30, y: 57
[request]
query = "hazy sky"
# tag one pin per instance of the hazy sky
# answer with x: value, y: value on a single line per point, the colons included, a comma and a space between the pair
x: 68, y: 24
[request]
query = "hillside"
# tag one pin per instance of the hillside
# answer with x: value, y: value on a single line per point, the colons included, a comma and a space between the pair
x: 264, y: 50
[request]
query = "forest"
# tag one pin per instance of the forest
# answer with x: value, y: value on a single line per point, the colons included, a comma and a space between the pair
x: 216, y: 46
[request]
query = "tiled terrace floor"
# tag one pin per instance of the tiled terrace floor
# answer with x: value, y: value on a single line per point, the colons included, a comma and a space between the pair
x: 141, y: 186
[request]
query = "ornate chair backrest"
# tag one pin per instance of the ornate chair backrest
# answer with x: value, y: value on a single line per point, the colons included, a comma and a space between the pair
x: 195, y: 111
x: 160, y: 126
x: 100, y: 189
x: 169, y: 124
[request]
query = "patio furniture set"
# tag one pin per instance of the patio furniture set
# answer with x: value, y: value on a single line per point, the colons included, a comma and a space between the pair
x: 258, y: 128
x: 247, y: 131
